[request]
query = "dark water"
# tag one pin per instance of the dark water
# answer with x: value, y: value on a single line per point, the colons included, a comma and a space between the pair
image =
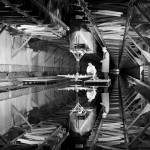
x: 47, y: 101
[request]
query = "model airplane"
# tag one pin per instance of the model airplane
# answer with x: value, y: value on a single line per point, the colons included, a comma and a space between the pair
x: 76, y: 76
x: 75, y: 87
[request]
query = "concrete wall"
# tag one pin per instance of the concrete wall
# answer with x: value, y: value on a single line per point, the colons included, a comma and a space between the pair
x: 47, y: 98
x: 46, y: 59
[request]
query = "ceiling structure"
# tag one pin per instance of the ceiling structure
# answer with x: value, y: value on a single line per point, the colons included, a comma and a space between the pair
x: 120, y: 25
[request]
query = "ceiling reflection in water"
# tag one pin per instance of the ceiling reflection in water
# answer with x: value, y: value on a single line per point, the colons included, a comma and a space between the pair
x: 73, y: 106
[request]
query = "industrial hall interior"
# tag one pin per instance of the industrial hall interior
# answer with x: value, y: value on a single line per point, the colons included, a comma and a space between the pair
x: 74, y: 74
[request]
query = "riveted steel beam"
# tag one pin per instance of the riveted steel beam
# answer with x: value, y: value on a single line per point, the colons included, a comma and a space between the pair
x: 139, y: 134
x: 49, y: 13
x: 133, y: 41
x: 60, y: 56
x: 17, y: 51
x: 129, y: 58
x: 146, y: 109
x: 131, y: 54
x: 51, y: 54
x: 3, y: 28
x: 129, y: 17
x: 132, y: 50
x: 142, y: 12
x: 36, y: 55
x: 27, y: 122
x: 84, y: 6
x: 140, y: 35
x: 18, y: 10
x: 68, y: 58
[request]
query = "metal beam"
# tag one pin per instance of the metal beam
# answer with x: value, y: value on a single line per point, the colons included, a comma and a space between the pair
x: 7, y: 3
x: 146, y: 54
x: 60, y: 56
x: 132, y: 50
x: 3, y: 139
x: 133, y: 94
x: 27, y: 122
x: 40, y: 146
x: 123, y: 111
x: 35, y: 103
x: 50, y: 100
x: 131, y: 55
x: 97, y: 38
x: 3, y: 28
x: 49, y: 13
x: 134, y: 108
x: 36, y: 55
x: 129, y: 58
x: 67, y: 58
x: 142, y: 12
x: 126, y: 93
x: 139, y: 134
x: 64, y: 96
x: 84, y: 61
x: 27, y: 40
x: 130, y: 94
x: 84, y: 6
x: 135, y: 43
x: 146, y: 42
x: 51, y: 54
x: 141, y: 113
x: 128, y: 51
x: 130, y: 103
x: 129, y: 17
x: 14, y: 7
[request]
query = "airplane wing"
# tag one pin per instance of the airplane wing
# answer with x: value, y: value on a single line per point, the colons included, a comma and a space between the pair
x: 75, y: 76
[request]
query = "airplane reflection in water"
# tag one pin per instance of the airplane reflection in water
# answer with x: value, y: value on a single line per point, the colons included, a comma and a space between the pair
x: 84, y: 114
x: 25, y: 101
x: 47, y: 98
x: 82, y: 118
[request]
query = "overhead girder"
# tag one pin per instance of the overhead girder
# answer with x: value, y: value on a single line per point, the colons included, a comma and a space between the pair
x: 124, y: 62
x: 132, y: 58
x: 132, y: 50
x: 103, y: 5
x: 140, y: 35
x: 103, y: 18
x: 136, y: 35
x: 7, y: 3
x: 49, y: 13
x: 142, y: 12
x: 3, y: 28
x: 23, y: 44
x: 129, y: 17
x: 84, y: 6
x: 54, y: 50
x: 135, y: 103
x: 30, y: 19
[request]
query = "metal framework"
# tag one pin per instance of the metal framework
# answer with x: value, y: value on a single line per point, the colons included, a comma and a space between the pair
x: 138, y: 105
x: 18, y: 50
x: 134, y: 34
x: 49, y: 13
x: 84, y: 6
